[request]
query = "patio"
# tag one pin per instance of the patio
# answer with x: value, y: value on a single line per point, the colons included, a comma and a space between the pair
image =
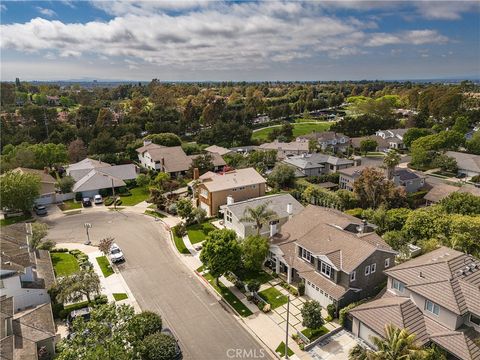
x: 335, y: 347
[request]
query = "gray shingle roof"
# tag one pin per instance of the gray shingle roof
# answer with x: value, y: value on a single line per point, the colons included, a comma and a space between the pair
x: 466, y: 161
x: 316, y: 160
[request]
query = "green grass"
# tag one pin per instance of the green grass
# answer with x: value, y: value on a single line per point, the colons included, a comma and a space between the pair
x: 180, y: 245
x: 64, y: 264
x: 70, y: 205
x: 14, y: 220
x: 152, y: 206
x: 274, y: 297
x: 229, y: 297
x: 298, y: 129
x: 198, y: 232
x: 260, y: 276
x: 313, y: 334
x: 281, y: 350
x: 139, y: 194
x: 76, y: 306
x: 105, y: 266
x: 120, y: 296
x: 154, y: 214
x: 201, y: 268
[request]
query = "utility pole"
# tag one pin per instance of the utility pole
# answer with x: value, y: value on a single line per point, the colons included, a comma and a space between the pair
x: 114, y: 199
x: 288, y: 316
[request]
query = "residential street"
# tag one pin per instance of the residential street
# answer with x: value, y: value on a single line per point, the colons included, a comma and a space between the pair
x: 162, y: 283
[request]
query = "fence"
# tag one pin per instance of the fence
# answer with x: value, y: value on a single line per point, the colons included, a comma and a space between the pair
x: 64, y: 197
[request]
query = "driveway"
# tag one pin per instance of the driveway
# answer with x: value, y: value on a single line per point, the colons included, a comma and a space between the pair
x: 335, y: 347
x: 162, y: 283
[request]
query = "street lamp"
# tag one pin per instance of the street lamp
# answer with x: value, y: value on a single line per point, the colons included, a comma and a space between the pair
x: 113, y: 192
x: 87, y: 226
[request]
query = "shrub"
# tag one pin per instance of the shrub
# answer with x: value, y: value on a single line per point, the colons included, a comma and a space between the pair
x: 100, y: 299
x: 172, y: 209
x: 267, y: 308
x: 239, y: 284
x: 78, y: 196
x: 103, y: 192
x: 357, y: 212
x: 180, y: 230
x: 344, y: 311
x: 301, y: 288
x: 118, y: 202
x: 108, y: 201
x: 122, y: 190
x: 331, y: 310
x: 476, y: 179
x: 158, y: 346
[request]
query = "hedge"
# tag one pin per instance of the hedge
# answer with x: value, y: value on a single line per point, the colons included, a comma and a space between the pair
x: 344, y: 311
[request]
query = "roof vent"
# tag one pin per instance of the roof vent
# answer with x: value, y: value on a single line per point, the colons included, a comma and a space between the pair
x: 420, y: 274
x: 473, y: 266
x: 460, y: 272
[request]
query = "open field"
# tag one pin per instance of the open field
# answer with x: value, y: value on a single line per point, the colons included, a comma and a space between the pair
x: 299, y: 129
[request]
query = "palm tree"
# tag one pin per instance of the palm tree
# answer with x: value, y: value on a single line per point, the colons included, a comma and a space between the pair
x: 398, y: 344
x: 390, y: 161
x: 259, y: 215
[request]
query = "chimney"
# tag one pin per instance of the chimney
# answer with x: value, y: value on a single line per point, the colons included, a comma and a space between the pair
x: 162, y: 160
x: 361, y: 228
x: 290, y: 210
x: 230, y: 200
x: 146, y: 142
x: 273, y: 229
x: 196, y: 174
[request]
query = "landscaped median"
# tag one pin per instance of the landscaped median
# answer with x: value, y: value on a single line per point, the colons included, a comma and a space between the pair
x: 105, y: 266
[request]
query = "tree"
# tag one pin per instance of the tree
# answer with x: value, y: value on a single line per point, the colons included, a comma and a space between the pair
x: 461, y: 203
x: 65, y: 184
x: 105, y: 245
x: 446, y: 163
x: 221, y: 252
x: 259, y: 215
x: 39, y: 232
x: 373, y: 189
x: 202, y: 162
x: 77, y: 151
x: 398, y: 344
x: 368, y: 145
x: 254, y: 251
x: 103, y: 336
x: 282, y: 176
x: 185, y: 210
x: 473, y: 145
x: 390, y: 161
x: 74, y: 287
x: 145, y: 323
x: 19, y: 191
x: 159, y: 346
x: 312, y: 315
x: 165, y: 139
x: 199, y: 215
x: 413, y: 134
x: 142, y: 180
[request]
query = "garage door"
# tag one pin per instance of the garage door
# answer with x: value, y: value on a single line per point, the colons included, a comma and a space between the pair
x: 45, y: 199
x: 366, y: 333
x: 315, y: 293
x: 206, y: 208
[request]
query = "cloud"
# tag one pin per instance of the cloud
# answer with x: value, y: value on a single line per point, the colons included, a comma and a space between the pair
x: 3, y: 7
x: 239, y: 36
x: 46, y: 12
x: 446, y: 10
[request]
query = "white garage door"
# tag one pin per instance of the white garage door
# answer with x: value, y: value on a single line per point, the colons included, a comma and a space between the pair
x: 45, y: 199
x: 315, y: 293
x: 206, y: 208
x: 366, y: 333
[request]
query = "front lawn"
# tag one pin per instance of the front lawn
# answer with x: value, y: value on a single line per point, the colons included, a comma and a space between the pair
x: 281, y: 350
x: 70, y: 205
x: 247, y: 275
x: 180, y: 245
x: 198, y: 232
x: 274, y: 297
x: 138, y: 195
x: 14, y: 220
x: 229, y: 297
x: 313, y: 334
x: 120, y: 296
x: 105, y: 266
x: 64, y: 264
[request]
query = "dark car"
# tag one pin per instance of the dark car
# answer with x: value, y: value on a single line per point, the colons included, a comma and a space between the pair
x: 178, y: 351
x: 75, y: 314
x: 461, y: 176
x: 40, y: 210
x: 86, y: 202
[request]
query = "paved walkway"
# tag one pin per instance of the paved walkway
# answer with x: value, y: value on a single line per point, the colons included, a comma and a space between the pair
x: 335, y: 347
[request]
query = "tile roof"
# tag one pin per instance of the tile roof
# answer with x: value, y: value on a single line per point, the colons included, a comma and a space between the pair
x: 150, y: 146
x: 316, y: 160
x: 444, y: 276
x: 174, y: 158
x: 324, y: 136
x: 217, y: 159
x: 466, y: 161
x: 14, y: 248
x: 218, y: 150
x: 87, y: 163
x: 439, y: 192
x: 277, y: 203
x: 45, y: 177
x: 353, y: 171
x: 44, y: 268
x: 285, y: 146
x: 231, y: 179
x: 6, y: 347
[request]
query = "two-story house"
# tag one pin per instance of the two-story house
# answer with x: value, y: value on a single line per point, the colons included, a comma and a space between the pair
x: 285, y: 149
x: 213, y: 189
x: 26, y: 335
x: 25, y: 274
x: 172, y: 160
x: 325, y: 139
x: 47, y: 185
x: 338, y: 256
x: 436, y: 296
x: 394, y: 137
x: 318, y: 164
x: 284, y: 206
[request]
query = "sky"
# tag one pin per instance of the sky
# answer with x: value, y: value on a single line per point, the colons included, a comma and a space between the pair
x: 200, y: 40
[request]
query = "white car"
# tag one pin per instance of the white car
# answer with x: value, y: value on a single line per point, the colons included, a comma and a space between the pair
x: 97, y: 199
x: 116, y: 254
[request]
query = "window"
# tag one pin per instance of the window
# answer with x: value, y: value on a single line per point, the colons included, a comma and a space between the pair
x: 353, y: 276
x: 228, y: 217
x: 475, y: 320
x: 367, y: 270
x: 306, y: 255
x: 432, y: 307
x: 373, y: 268
x: 204, y: 193
x: 397, y: 285
x: 253, y: 186
x: 326, y: 269
x: 387, y: 263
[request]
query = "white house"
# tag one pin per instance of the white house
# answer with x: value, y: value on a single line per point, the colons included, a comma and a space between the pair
x: 394, y: 137
x: 284, y: 205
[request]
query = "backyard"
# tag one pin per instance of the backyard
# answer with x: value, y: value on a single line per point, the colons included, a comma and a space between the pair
x: 198, y: 232
x: 64, y: 264
x: 274, y: 297
x: 138, y: 194
x: 301, y: 128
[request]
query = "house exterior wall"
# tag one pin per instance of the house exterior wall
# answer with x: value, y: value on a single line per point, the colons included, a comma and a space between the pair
x: 346, y: 182
x: 362, y: 331
x: 23, y: 297
x: 445, y: 317
x: 148, y: 162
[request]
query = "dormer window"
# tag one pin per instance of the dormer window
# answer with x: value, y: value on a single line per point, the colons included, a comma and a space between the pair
x: 474, y: 319
x: 326, y: 269
x: 399, y: 286
x: 431, y: 307
x: 306, y: 255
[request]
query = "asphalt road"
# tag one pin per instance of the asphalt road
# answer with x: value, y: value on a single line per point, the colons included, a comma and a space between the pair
x: 162, y: 283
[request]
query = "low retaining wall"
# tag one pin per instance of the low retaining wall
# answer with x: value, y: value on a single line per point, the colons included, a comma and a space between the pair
x: 321, y: 338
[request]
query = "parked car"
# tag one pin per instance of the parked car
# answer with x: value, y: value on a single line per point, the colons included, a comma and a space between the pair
x: 75, y: 314
x: 461, y: 176
x: 97, y: 199
x: 86, y: 202
x: 178, y: 351
x: 40, y: 210
x: 116, y: 254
